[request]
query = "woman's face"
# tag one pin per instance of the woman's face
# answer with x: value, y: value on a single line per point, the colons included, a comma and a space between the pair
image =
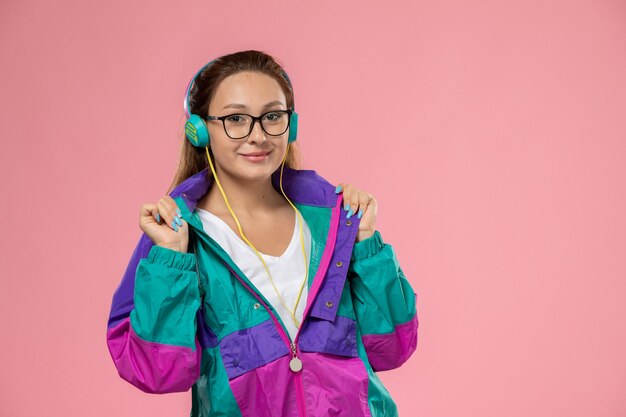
x: 252, y: 93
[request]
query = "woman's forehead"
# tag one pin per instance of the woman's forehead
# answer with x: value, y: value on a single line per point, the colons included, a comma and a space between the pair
x: 247, y: 89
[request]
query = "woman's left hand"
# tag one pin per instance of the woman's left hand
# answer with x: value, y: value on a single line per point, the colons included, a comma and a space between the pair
x: 362, y: 204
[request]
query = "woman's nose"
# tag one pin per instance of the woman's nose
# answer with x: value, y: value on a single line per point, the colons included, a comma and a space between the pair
x: 257, y: 134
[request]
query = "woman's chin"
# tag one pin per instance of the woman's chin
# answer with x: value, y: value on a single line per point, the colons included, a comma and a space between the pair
x: 257, y: 171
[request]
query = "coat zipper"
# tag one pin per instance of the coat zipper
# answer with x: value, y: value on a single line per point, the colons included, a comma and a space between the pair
x: 291, y: 345
x: 295, y: 363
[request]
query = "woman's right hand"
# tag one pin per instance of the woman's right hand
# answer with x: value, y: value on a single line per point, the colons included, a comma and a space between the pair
x: 171, y: 231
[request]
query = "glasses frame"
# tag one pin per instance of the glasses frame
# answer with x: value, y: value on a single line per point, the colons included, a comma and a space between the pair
x: 254, y: 120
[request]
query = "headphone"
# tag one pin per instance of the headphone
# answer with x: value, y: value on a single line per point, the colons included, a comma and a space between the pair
x: 195, y: 127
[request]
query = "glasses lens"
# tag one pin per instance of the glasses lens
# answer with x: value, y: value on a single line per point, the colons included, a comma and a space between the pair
x: 237, y: 125
x: 275, y: 123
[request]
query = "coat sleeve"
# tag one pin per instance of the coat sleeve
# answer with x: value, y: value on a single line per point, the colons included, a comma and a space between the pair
x: 151, y: 332
x: 384, y: 303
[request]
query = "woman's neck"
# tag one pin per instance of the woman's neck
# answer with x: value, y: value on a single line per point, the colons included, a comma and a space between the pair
x: 245, y: 198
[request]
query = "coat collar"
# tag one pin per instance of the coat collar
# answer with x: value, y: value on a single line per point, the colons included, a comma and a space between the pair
x: 331, y: 247
x: 301, y: 186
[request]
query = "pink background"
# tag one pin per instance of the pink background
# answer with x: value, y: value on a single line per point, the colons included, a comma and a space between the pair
x: 491, y: 133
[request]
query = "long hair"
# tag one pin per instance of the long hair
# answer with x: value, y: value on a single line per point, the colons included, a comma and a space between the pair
x: 192, y: 159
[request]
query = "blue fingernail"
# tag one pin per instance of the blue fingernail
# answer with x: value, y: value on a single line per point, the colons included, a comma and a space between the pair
x: 338, y: 189
x: 179, y: 213
x: 349, y: 214
x: 174, y: 225
x: 179, y: 221
x: 346, y: 206
x: 158, y: 218
x: 360, y: 214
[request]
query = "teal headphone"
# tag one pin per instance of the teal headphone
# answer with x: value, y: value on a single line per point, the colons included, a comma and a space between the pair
x: 196, y: 129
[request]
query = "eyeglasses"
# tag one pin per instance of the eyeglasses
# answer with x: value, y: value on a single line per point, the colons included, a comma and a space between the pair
x: 238, y: 126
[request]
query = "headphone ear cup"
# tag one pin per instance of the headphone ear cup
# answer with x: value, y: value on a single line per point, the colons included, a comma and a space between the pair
x: 293, y: 127
x: 196, y: 131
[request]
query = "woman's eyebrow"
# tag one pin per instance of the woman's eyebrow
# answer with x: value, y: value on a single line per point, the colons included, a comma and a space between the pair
x: 243, y: 106
x: 273, y: 103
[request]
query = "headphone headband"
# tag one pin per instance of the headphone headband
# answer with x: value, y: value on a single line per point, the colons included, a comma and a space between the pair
x: 188, y: 89
x: 193, y: 79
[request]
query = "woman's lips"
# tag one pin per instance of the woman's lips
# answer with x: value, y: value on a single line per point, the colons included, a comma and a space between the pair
x: 255, y: 157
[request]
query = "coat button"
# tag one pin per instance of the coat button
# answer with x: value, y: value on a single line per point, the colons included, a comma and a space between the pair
x: 349, y: 223
x: 339, y: 264
x: 235, y: 362
x: 256, y: 306
x: 329, y: 304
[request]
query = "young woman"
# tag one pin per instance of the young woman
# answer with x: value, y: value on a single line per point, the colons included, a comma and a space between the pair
x: 260, y: 286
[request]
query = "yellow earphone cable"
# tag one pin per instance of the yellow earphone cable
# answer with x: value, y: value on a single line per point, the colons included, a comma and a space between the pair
x: 298, y: 215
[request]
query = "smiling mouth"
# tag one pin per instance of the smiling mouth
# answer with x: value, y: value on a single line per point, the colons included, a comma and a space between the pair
x: 256, y: 154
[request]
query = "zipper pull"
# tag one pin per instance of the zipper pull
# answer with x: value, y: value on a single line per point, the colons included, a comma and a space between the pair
x: 295, y: 364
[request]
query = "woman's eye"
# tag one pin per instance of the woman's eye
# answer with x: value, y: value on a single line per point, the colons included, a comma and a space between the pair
x: 235, y: 118
x: 272, y: 117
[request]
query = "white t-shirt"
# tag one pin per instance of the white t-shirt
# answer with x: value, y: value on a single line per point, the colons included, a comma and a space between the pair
x: 288, y: 270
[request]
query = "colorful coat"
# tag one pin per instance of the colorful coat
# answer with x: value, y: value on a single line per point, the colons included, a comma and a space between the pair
x: 194, y: 320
